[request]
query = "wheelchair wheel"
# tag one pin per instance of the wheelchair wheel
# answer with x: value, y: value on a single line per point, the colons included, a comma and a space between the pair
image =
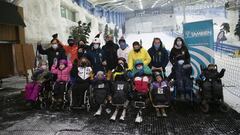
x: 223, y: 107
x: 87, y: 100
x: 92, y: 102
x: 204, y: 106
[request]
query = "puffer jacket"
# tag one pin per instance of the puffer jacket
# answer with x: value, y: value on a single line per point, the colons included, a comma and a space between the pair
x: 96, y: 57
x: 135, y: 72
x: 141, y: 55
x: 62, y: 75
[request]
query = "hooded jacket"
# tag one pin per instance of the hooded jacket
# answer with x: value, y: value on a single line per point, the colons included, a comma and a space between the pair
x: 141, y: 55
x: 62, y: 75
x: 135, y: 72
x: 159, y: 58
x: 124, y: 53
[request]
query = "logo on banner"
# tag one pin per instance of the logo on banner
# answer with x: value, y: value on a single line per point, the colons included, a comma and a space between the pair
x: 199, y: 37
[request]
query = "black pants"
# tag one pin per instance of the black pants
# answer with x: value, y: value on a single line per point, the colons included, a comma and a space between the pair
x: 78, y: 91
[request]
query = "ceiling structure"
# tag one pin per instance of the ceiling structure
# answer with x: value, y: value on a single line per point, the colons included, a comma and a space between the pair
x: 135, y: 5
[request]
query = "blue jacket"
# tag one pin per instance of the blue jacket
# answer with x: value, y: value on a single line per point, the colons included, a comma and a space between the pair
x: 159, y: 57
x: 96, y: 57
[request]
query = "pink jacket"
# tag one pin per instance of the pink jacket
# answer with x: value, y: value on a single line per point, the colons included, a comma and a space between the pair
x: 62, y: 75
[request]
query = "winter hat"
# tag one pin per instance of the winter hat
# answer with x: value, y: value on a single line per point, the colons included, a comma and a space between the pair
x: 100, y: 73
x: 63, y: 61
x: 156, y: 74
x: 138, y: 62
x: 121, y: 40
x: 97, y: 40
x: 136, y: 43
x: 54, y: 36
x: 71, y: 40
x: 42, y: 62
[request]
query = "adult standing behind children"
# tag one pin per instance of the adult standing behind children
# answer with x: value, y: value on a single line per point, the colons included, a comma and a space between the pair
x: 159, y: 55
x: 55, y: 51
x: 124, y: 49
x: 138, y: 53
x: 97, y: 56
x: 71, y: 49
x: 110, y: 50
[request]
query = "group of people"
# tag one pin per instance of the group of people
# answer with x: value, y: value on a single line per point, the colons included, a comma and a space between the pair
x: 79, y: 64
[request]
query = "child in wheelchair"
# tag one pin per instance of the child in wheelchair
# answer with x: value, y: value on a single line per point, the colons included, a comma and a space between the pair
x: 81, y: 73
x: 41, y: 80
x: 181, y: 74
x: 60, y: 88
x: 100, y: 91
x: 120, y: 89
x: 141, y: 76
x: 160, y: 93
x: 210, y: 85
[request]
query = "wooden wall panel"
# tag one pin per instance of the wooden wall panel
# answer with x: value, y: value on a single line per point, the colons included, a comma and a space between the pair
x: 8, y: 32
x: 29, y: 56
x: 6, y: 61
x: 19, y: 59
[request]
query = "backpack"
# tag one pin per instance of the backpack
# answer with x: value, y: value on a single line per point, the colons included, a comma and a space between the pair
x: 160, y: 93
x: 100, y: 89
x: 32, y: 90
x: 120, y: 92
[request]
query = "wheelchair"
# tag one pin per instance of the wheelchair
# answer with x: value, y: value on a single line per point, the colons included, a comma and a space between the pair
x: 44, y: 98
x: 60, y: 96
x: 211, y: 89
x: 140, y: 95
x: 120, y: 98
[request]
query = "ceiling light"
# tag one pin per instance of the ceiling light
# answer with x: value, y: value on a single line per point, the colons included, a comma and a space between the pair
x: 128, y: 8
x: 141, y: 5
x: 155, y: 3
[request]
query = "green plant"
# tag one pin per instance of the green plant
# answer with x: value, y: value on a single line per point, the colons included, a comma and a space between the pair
x: 81, y: 32
x: 105, y: 32
x: 116, y: 31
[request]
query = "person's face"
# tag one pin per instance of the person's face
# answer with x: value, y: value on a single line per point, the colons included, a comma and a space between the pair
x: 157, y: 42
x: 159, y: 78
x: 44, y: 66
x: 61, y: 66
x: 54, y: 42
x: 110, y: 38
x: 100, y: 77
x: 136, y: 47
x: 122, y: 43
x: 139, y: 67
x: 179, y: 42
x: 120, y: 62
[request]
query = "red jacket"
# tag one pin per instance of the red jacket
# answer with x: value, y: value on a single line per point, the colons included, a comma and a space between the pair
x: 72, y: 50
x: 62, y: 75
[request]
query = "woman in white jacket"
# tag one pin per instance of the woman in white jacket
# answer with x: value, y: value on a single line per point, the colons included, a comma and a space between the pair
x: 124, y: 49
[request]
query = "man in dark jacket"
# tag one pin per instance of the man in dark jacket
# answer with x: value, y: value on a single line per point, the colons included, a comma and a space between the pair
x: 96, y: 56
x: 55, y: 51
x: 82, y: 48
x: 110, y: 50
x: 159, y: 55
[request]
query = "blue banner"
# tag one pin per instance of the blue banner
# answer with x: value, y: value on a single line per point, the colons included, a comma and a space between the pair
x: 199, y: 38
